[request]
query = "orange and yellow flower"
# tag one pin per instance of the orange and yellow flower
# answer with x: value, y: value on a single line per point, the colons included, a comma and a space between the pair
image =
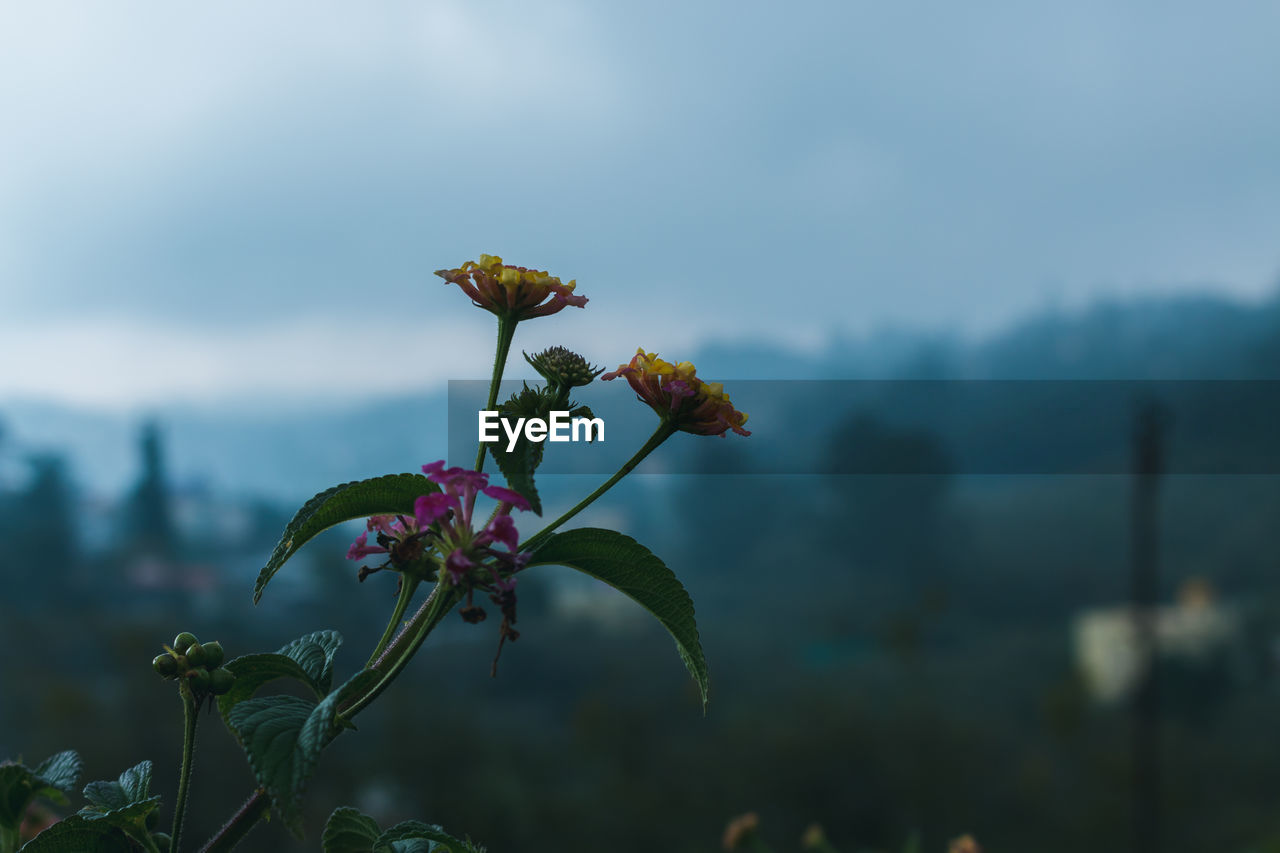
x: 675, y: 392
x: 513, y: 292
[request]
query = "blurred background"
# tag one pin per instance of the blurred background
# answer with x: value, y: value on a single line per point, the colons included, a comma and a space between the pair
x: 217, y: 234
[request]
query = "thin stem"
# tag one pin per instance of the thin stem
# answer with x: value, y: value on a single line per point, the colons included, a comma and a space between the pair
x: 408, y: 585
x: 190, y: 716
x: 664, y: 431
x: 397, y: 656
x: 390, y: 662
x: 506, y: 332
x: 233, y: 831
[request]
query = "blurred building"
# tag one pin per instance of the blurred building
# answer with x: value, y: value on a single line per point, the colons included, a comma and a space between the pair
x: 1197, y: 630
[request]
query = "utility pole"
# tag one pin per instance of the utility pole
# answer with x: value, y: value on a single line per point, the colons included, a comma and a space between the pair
x: 1148, y: 466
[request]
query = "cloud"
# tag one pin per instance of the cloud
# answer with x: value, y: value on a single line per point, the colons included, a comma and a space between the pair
x: 733, y: 169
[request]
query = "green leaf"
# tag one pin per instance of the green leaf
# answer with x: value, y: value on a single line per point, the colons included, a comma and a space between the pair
x: 414, y: 836
x: 254, y: 671
x: 518, y: 465
x: 632, y: 569
x: 60, y: 770
x: 314, y: 653
x: 19, y: 785
x: 125, y: 802
x: 392, y: 494
x: 349, y: 831
x: 283, y: 737
x: 78, y: 835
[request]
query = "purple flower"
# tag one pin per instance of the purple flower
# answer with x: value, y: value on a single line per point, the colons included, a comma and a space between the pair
x: 440, y: 538
x: 361, y: 548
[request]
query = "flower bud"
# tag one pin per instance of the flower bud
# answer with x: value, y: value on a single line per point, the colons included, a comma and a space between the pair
x: 214, y: 656
x: 162, y: 840
x: 165, y: 665
x: 196, y: 655
x: 563, y: 367
x: 220, y: 680
x: 183, y: 641
x: 198, y: 679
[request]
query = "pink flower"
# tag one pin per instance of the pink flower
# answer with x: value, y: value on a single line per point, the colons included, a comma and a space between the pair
x: 361, y: 548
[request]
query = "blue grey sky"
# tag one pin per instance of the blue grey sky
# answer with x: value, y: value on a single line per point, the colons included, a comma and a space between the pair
x: 244, y: 199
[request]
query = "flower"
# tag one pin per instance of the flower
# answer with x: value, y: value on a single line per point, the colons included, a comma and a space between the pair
x: 517, y: 293
x: 814, y: 838
x: 964, y: 844
x: 440, y: 538
x: 674, y: 391
x: 740, y: 830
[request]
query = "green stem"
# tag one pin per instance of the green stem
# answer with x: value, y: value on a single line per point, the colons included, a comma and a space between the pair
x: 664, y: 431
x: 408, y: 585
x: 506, y: 332
x: 233, y: 831
x: 190, y: 716
x: 397, y: 655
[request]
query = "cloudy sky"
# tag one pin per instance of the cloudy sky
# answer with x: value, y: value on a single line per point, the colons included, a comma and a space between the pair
x: 220, y: 200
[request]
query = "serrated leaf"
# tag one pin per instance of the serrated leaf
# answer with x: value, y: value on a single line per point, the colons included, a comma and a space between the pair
x: 414, y: 836
x: 283, y: 737
x: 132, y: 786
x: 254, y: 671
x: 349, y: 831
x: 19, y: 785
x: 314, y: 653
x: 517, y: 468
x: 60, y: 770
x: 518, y: 464
x: 634, y: 570
x: 392, y: 494
x: 78, y: 835
x: 125, y: 802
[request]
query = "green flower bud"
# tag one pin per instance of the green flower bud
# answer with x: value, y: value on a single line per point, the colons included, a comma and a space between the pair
x: 198, y: 679
x: 220, y: 680
x: 196, y: 655
x: 214, y: 656
x: 563, y: 367
x: 165, y: 665
x: 183, y: 641
x: 162, y: 840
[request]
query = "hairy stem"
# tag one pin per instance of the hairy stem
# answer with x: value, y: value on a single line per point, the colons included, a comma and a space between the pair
x: 506, y: 332
x: 234, y: 830
x: 190, y: 716
x: 664, y: 431
x: 408, y: 585
x: 397, y: 655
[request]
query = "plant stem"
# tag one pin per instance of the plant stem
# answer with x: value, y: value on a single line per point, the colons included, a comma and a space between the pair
x: 408, y: 585
x: 397, y: 655
x: 234, y: 830
x: 664, y: 431
x: 391, y: 661
x: 190, y: 716
x: 506, y: 332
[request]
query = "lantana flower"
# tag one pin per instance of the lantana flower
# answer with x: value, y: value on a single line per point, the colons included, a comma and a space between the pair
x: 516, y: 293
x: 441, y: 532
x: 676, y: 393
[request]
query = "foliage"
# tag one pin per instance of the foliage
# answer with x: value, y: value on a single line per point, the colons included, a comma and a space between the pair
x: 423, y: 526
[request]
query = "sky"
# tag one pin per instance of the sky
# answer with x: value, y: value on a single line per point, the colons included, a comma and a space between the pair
x: 247, y: 200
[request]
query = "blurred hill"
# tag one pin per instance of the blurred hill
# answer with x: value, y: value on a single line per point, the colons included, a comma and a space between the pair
x: 287, y: 453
